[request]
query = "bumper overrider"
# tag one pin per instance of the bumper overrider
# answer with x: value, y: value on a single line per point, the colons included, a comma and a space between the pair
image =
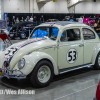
x: 6, y: 72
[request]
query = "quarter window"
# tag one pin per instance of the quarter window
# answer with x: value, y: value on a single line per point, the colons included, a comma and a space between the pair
x: 88, y: 34
x: 70, y: 35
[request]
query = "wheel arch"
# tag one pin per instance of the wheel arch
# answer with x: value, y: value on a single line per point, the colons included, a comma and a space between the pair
x: 41, y: 56
x: 95, y: 53
x: 54, y: 67
x: 46, y: 60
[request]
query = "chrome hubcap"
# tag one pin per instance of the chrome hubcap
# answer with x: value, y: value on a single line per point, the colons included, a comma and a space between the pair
x: 99, y: 60
x: 44, y: 74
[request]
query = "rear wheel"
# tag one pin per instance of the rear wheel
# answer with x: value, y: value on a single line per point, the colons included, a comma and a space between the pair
x: 97, y: 62
x: 42, y: 74
x: 12, y: 37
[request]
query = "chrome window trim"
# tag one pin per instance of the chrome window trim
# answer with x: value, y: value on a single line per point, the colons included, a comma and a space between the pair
x: 70, y: 44
x: 69, y: 29
x: 91, y: 42
x: 47, y: 48
x: 91, y: 31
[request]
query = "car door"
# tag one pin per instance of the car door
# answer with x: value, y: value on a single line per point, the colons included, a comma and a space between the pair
x: 70, y: 49
x: 90, y: 39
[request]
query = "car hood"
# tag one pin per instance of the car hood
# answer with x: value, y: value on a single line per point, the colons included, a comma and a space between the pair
x: 18, y: 50
x: 33, y: 44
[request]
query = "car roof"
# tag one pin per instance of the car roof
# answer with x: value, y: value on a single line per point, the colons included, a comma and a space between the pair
x: 62, y: 24
x: 22, y: 24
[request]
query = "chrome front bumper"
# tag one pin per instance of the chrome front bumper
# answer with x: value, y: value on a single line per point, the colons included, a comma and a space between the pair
x: 9, y: 73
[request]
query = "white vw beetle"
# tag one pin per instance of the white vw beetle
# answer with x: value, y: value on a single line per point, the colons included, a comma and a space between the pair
x: 53, y: 48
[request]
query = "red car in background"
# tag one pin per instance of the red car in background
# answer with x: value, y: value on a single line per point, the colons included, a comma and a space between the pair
x: 97, y: 92
x: 4, y: 37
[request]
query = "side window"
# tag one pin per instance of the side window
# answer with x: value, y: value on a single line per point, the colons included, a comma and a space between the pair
x: 70, y: 35
x: 54, y: 32
x: 88, y: 34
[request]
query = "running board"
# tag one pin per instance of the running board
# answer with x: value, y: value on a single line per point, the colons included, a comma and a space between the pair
x: 61, y: 71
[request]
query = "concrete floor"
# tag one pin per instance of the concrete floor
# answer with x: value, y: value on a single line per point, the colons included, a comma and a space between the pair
x: 76, y: 85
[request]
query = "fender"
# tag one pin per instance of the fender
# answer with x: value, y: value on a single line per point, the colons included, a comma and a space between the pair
x: 1, y: 58
x: 95, y: 53
x: 33, y: 58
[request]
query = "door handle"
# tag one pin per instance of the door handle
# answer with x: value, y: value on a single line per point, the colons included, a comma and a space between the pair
x: 81, y: 45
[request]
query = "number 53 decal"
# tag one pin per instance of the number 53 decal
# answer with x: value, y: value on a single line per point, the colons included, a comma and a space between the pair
x: 72, y: 56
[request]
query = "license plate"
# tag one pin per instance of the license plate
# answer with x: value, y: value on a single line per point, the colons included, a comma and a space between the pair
x: 11, y: 35
x: 5, y: 72
x: 0, y: 73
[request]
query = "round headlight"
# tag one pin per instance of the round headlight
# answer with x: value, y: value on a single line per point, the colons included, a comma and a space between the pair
x: 21, y: 63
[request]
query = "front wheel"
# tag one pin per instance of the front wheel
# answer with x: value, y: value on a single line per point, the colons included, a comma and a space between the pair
x: 97, y: 62
x: 42, y: 74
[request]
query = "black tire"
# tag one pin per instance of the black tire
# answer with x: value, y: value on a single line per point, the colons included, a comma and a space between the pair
x: 34, y: 77
x: 97, y: 66
x: 23, y: 37
x: 13, y: 38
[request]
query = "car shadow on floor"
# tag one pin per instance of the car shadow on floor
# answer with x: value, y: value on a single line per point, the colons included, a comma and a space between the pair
x: 25, y: 83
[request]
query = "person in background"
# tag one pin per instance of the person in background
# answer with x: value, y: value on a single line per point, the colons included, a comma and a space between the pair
x: 22, y: 20
x: 97, y: 27
x: 80, y: 20
x: 31, y: 19
x: 99, y: 20
x: 75, y: 19
x: 27, y: 19
x: 8, y: 24
x: 35, y: 21
x: 42, y: 19
x: 17, y: 20
x: 83, y: 17
x: 71, y: 19
x: 66, y: 18
x: 13, y: 20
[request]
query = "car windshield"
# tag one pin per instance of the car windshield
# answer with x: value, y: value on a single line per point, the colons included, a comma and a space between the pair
x: 50, y: 32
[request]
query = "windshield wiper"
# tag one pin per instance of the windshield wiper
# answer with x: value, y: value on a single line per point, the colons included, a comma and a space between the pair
x: 53, y: 38
x: 46, y: 37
